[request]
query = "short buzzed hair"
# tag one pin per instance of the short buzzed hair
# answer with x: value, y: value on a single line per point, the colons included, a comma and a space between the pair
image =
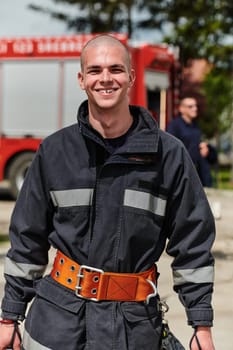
x: 184, y: 97
x: 107, y: 40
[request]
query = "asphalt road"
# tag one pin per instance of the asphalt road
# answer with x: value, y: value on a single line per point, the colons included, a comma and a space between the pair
x: 222, y: 203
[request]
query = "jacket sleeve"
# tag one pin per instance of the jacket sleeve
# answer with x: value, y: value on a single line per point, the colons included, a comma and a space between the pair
x: 30, y: 226
x: 191, y: 231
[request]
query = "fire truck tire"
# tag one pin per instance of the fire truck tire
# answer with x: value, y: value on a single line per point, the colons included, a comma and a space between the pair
x: 17, y: 172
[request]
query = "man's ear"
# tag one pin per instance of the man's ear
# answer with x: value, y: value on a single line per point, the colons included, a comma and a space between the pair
x: 81, y: 80
x: 132, y: 77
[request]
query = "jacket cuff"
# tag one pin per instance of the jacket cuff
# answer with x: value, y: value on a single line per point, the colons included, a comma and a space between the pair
x: 12, y: 309
x: 200, y: 317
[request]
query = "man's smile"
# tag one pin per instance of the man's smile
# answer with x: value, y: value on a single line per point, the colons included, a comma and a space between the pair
x: 106, y: 91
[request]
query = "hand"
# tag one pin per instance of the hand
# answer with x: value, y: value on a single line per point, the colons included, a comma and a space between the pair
x: 6, y: 333
x: 205, y: 339
x: 204, y: 149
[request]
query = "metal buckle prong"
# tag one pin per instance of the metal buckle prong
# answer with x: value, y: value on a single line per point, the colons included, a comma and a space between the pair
x: 149, y: 296
x: 80, y: 275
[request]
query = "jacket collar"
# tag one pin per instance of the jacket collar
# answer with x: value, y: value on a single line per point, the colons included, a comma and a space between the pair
x: 144, y: 138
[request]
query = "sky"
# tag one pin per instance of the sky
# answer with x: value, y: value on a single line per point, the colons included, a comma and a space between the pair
x: 17, y: 20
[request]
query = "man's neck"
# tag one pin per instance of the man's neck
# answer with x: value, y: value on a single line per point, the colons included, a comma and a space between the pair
x: 187, y: 119
x: 110, y: 123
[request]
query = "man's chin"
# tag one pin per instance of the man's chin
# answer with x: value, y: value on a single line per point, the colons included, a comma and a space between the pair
x: 106, y: 105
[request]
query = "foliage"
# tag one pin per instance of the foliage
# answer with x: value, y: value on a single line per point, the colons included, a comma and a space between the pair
x: 94, y: 16
x: 200, y: 26
x: 218, y: 91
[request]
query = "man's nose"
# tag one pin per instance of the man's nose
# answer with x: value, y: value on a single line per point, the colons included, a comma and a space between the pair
x: 106, y: 75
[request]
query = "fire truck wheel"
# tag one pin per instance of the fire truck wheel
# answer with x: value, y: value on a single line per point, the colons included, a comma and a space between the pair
x: 17, y: 172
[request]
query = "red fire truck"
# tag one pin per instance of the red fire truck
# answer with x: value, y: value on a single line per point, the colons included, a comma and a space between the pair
x: 39, y: 92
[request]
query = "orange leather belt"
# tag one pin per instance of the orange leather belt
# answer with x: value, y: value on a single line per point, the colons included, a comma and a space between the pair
x: 95, y: 284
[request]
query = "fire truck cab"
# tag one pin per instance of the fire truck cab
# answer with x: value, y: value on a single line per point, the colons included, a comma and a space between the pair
x: 39, y: 93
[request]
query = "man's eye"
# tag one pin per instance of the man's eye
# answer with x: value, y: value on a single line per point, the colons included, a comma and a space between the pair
x: 117, y: 70
x: 93, y: 71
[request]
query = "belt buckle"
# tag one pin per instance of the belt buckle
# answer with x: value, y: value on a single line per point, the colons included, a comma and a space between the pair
x: 80, y: 275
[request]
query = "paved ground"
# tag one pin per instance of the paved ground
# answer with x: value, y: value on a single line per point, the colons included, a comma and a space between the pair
x: 222, y: 203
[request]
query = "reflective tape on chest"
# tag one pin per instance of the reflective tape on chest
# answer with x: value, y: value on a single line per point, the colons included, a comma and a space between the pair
x: 73, y: 197
x: 145, y: 201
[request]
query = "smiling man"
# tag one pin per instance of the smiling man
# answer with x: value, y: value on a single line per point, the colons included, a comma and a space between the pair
x: 106, y: 77
x: 110, y: 193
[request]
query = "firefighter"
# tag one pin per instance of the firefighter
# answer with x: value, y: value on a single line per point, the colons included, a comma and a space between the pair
x: 110, y: 194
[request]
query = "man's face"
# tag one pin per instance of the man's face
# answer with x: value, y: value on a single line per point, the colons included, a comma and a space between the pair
x: 106, y: 76
x: 188, y: 108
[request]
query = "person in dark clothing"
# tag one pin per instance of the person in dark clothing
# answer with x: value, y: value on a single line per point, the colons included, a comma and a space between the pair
x: 185, y: 128
x: 110, y: 194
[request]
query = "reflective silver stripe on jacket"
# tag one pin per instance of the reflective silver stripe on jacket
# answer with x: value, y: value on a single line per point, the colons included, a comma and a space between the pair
x: 145, y: 201
x: 71, y: 198
x: 31, y: 344
x: 27, y: 271
x: 199, y: 275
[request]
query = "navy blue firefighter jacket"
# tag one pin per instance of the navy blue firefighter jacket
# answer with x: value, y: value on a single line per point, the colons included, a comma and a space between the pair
x: 117, y: 212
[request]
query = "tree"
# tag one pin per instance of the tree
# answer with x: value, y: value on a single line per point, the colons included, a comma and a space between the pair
x: 106, y: 15
x: 93, y: 16
x: 218, y: 89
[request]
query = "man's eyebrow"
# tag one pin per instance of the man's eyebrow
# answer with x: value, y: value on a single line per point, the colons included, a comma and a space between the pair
x: 117, y: 65
x: 93, y: 67
x: 111, y: 66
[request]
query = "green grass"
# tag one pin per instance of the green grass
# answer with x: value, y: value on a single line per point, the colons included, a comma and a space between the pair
x: 222, y: 179
x: 4, y: 238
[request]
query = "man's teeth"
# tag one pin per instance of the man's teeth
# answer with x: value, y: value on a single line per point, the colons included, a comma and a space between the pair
x: 107, y: 91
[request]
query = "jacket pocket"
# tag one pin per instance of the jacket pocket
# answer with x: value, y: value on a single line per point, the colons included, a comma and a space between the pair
x: 142, y: 325
x: 55, y: 319
x: 51, y: 291
x: 136, y: 312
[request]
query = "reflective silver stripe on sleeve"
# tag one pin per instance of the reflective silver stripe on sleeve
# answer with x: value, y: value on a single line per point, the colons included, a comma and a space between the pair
x: 71, y: 198
x: 30, y: 343
x: 199, y: 275
x: 145, y: 201
x: 27, y: 271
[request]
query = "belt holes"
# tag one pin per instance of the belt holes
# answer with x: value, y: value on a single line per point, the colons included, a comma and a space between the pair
x: 94, y: 291
x: 72, y: 268
x: 95, y: 279
x: 69, y: 280
x: 57, y: 274
x: 61, y: 261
